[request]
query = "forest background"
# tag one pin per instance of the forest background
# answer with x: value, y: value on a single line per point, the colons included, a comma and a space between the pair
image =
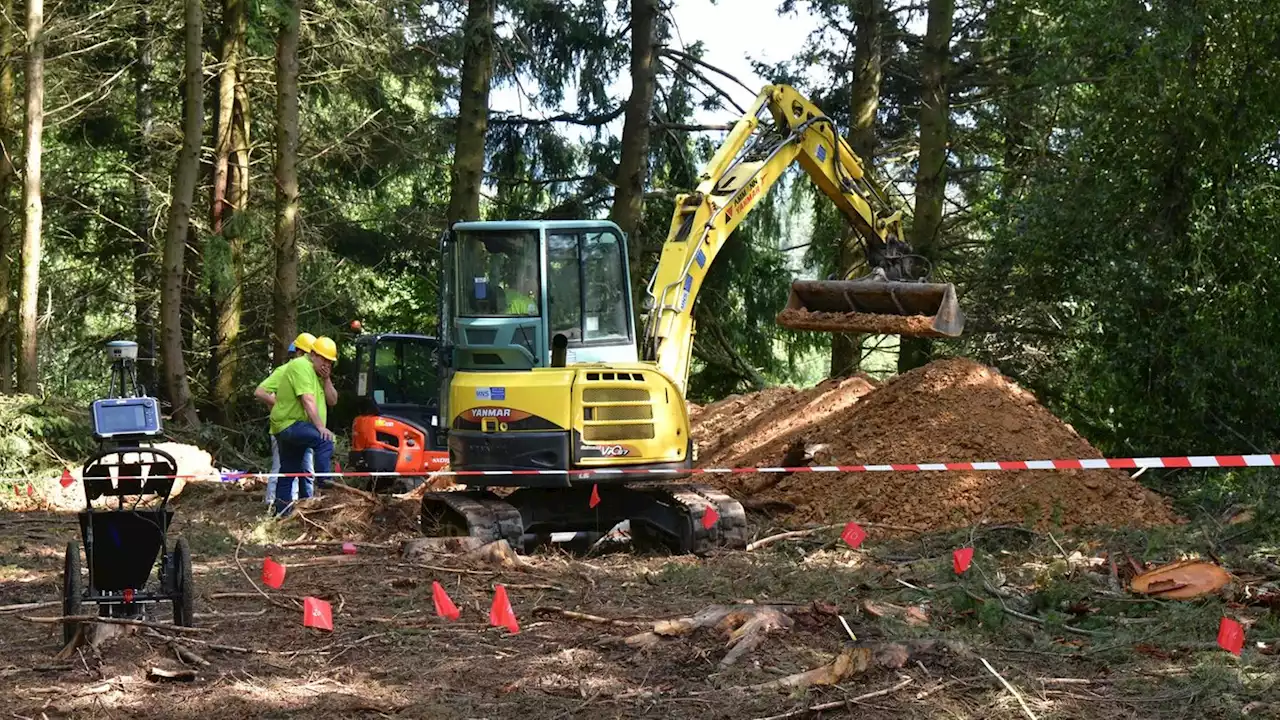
x: 1097, y: 177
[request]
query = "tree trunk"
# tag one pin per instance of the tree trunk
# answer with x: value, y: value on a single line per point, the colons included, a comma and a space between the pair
x: 628, y: 194
x: 473, y: 113
x: 28, y: 370
x: 931, y: 170
x: 184, y: 183
x: 286, y: 285
x: 8, y: 146
x: 846, y: 349
x: 143, y: 258
x: 228, y: 195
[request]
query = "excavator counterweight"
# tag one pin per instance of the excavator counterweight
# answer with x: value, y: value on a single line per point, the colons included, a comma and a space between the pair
x: 875, y: 307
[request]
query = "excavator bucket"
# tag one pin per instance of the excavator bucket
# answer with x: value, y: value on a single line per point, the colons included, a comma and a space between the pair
x: 874, y: 307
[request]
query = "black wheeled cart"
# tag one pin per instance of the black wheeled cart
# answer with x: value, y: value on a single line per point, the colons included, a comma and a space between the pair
x: 126, y: 520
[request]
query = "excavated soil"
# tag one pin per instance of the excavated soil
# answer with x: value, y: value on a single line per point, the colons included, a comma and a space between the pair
x: 913, y: 325
x: 952, y: 410
x: 734, y: 427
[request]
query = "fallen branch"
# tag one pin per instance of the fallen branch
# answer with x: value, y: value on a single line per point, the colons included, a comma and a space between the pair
x: 328, y: 508
x: 840, y: 703
x: 573, y: 615
x: 746, y: 625
x: 355, y: 491
x: 244, y: 650
x: 803, y: 533
x: 216, y: 614
x: 1010, y: 688
x: 852, y: 661
x: 113, y: 621
x: 329, y: 544
x: 184, y: 653
x: 263, y: 593
x: 787, y: 536
x: 158, y: 673
x: 297, y: 512
x: 1033, y: 618
x: 28, y: 606
x: 225, y: 595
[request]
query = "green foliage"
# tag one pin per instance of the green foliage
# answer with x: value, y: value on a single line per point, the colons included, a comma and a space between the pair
x: 36, y: 435
x: 1144, y: 235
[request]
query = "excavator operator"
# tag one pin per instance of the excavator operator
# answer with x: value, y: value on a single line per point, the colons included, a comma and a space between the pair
x: 522, y: 296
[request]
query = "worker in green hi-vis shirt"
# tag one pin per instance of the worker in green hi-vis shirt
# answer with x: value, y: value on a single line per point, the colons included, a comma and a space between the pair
x: 522, y: 298
x: 266, y: 392
x: 299, y: 415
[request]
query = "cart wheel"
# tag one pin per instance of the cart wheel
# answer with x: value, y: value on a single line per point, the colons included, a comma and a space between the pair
x: 184, y: 604
x: 72, y: 589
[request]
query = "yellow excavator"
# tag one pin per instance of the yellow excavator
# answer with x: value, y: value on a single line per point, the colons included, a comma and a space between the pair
x: 543, y: 376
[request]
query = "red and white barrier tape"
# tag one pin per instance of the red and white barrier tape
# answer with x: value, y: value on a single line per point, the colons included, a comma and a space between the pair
x: 1177, y: 461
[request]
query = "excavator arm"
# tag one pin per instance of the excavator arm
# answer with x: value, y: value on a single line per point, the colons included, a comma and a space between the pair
x: 893, y: 299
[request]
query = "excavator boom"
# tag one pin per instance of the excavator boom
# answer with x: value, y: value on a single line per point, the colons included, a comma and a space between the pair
x: 894, y: 297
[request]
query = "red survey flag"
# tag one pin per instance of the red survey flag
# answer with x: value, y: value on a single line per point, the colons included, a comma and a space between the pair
x: 595, y: 496
x: 501, y: 614
x: 1230, y: 636
x: 272, y: 573
x: 317, y: 613
x: 30, y: 490
x: 349, y: 548
x: 853, y: 535
x: 709, y: 518
x: 961, y: 559
x: 444, y: 605
x: 67, y: 480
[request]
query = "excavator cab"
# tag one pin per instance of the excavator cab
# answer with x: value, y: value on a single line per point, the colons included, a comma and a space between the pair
x: 397, y: 426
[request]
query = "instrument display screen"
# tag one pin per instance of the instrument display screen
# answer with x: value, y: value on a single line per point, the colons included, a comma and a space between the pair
x: 126, y: 416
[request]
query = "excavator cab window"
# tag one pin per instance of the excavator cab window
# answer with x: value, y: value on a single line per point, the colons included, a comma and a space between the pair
x: 405, y: 373
x: 498, y: 273
x: 586, y: 282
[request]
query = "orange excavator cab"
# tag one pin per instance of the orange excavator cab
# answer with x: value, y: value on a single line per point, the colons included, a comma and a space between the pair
x: 397, y: 424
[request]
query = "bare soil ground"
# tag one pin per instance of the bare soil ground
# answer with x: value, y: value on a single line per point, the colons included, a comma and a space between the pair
x: 1044, y: 610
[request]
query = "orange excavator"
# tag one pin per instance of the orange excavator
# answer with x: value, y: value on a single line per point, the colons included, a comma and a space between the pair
x: 397, y: 424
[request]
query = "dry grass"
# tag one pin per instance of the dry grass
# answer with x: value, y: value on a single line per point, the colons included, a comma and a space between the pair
x: 391, y: 656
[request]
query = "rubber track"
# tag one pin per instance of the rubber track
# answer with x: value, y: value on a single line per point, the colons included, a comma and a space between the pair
x: 732, y: 524
x: 488, y: 517
x: 729, y: 531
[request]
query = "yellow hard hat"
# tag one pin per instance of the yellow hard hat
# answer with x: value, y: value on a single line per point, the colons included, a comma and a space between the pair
x: 325, y: 348
x: 304, y: 341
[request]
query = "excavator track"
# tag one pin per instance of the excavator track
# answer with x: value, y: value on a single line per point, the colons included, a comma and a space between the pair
x: 479, y: 514
x: 728, y: 532
x: 666, y: 515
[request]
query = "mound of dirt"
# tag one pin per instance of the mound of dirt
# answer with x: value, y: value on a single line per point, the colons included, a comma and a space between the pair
x: 738, y: 424
x: 952, y: 410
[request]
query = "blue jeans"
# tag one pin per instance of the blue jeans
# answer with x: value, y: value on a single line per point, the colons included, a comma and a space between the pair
x: 307, y: 466
x: 294, y: 442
